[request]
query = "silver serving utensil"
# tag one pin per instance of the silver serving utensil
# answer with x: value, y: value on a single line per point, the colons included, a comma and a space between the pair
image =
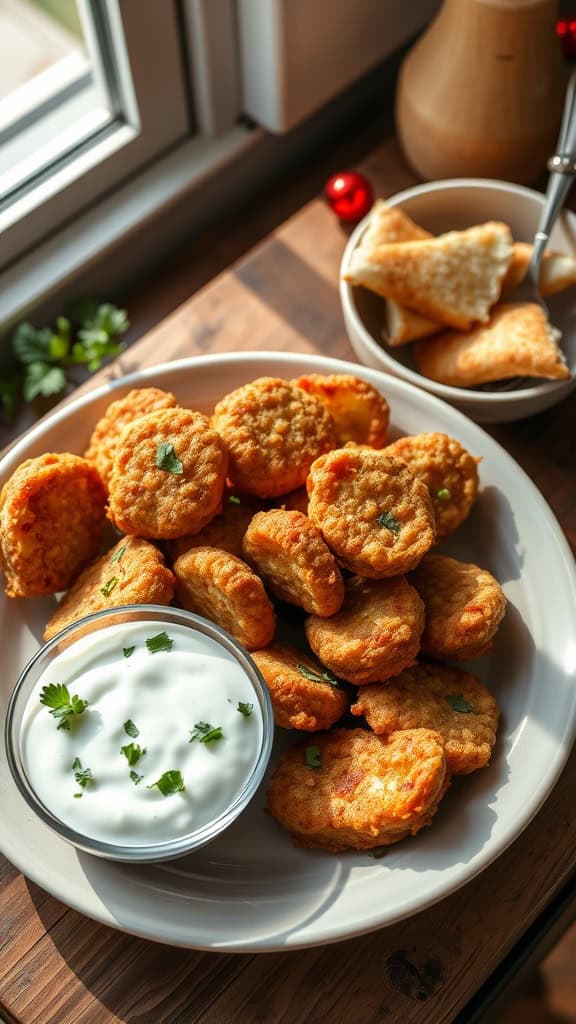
x: 562, y: 167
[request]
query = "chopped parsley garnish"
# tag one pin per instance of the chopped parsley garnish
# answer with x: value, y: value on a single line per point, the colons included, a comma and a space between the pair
x: 233, y: 499
x: 160, y: 642
x: 133, y: 752
x: 129, y: 727
x: 378, y: 852
x: 128, y: 651
x: 62, y: 706
x: 389, y: 521
x: 109, y: 587
x: 443, y: 494
x: 118, y: 554
x: 82, y: 775
x: 136, y: 778
x: 205, y: 732
x: 77, y: 795
x: 312, y: 757
x: 166, y: 458
x: 457, y: 703
x: 317, y: 677
x: 245, y: 709
x: 169, y: 783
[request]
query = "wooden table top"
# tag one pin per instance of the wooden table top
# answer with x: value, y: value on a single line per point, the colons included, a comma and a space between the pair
x: 56, y: 965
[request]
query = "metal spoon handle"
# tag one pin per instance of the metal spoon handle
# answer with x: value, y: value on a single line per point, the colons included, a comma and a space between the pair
x: 563, y: 171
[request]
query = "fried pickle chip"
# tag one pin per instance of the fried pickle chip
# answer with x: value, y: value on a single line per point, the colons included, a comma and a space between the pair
x: 119, y: 414
x: 360, y: 413
x: 518, y: 341
x: 431, y: 696
x: 51, y: 520
x: 375, y: 635
x: 226, y: 531
x: 352, y: 790
x: 303, y: 694
x: 290, y: 555
x: 273, y: 431
x: 449, y: 472
x: 223, y: 588
x: 373, y: 513
x: 168, y: 475
x: 464, y: 605
x: 132, y: 572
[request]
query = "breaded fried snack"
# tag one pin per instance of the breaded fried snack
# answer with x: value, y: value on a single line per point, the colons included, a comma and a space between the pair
x: 360, y: 413
x: 517, y: 342
x: 404, y: 325
x: 119, y: 414
x: 375, y: 635
x: 373, y: 513
x: 273, y: 431
x: 225, y: 531
x: 223, y: 588
x: 51, y: 519
x: 557, y: 270
x: 352, y: 790
x: 132, y: 572
x: 389, y: 224
x: 168, y: 475
x: 431, y: 696
x: 464, y: 605
x: 453, y: 279
x: 303, y: 694
x: 290, y: 555
x: 449, y: 472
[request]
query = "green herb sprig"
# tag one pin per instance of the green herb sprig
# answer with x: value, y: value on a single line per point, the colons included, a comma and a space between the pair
x: 82, y: 775
x: 206, y: 733
x: 160, y: 642
x: 133, y: 752
x: 388, y: 520
x: 169, y: 783
x: 317, y: 677
x: 62, y: 706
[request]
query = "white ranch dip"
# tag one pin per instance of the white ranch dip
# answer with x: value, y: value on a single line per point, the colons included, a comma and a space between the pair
x: 164, y: 695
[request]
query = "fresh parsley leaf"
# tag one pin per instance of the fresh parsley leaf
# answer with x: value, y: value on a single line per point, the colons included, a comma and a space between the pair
x: 378, y: 852
x: 128, y: 651
x: 83, y: 776
x: 312, y: 757
x: 77, y: 796
x: 30, y: 344
x: 389, y: 521
x: 233, y: 499
x: 245, y: 708
x: 129, y: 727
x: 457, y: 703
x: 42, y: 379
x: 206, y: 733
x: 169, y: 783
x: 317, y: 677
x: 443, y: 494
x: 118, y: 554
x: 109, y: 586
x: 160, y: 642
x: 166, y: 458
x: 136, y: 778
x: 62, y: 706
x: 133, y: 752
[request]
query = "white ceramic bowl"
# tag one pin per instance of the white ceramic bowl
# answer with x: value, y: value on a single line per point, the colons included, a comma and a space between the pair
x: 455, y: 204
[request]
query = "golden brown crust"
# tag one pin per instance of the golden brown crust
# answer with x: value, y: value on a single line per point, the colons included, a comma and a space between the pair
x: 223, y: 588
x: 368, y: 792
x: 51, y: 520
x: 557, y: 270
x: 375, y: 635
x: 300, y: 702
x: 449, y: 471
x: 296, y: 565
x: 360, y: 413
x: 132, y: 572
x: 427, y: 697
x: 119, y: 414
x: 226, y: 531
x: 273, y: 431
x: 149, y: 501
x: 354, y: 493
x: 464, y: 605
x: 517, y: 342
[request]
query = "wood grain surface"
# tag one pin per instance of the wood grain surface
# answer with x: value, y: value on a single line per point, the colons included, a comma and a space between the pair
x: 57, y: 966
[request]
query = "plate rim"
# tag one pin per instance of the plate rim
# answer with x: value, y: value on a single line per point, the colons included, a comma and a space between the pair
x: 462, y: 874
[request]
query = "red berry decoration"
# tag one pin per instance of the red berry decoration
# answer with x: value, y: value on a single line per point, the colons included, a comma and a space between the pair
x: 349, y: 195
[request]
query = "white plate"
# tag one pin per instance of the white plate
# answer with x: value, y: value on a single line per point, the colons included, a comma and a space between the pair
x: 252, y: 890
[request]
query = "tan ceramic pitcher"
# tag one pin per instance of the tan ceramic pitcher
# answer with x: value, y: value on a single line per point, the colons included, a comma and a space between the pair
x: 481, y: 91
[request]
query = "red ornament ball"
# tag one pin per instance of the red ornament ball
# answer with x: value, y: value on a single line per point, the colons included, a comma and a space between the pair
x: 566, y: 32
x: 349, y: 195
